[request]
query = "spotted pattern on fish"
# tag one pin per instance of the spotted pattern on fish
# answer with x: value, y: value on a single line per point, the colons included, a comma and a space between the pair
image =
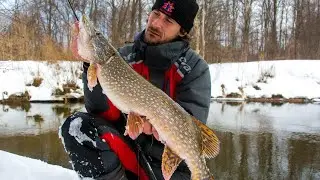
x: 130, y: 92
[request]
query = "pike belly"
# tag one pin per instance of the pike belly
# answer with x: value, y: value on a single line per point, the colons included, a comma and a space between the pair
x: 129, y: 92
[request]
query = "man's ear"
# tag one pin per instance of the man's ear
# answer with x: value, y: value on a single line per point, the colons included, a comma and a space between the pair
x: 182, y: 33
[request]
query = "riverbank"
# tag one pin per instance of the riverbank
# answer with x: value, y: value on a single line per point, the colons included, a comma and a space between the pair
x: 24, y: 104
x: 296, y: 81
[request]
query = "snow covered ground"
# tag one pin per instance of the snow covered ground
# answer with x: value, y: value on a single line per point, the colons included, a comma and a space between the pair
x: 298, y: 78
x: 16, y: 77
x: 295, y: 78
x: 15, y: 167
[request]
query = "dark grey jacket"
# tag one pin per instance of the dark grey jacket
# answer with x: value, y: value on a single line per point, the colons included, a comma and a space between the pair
x: 193, y: 92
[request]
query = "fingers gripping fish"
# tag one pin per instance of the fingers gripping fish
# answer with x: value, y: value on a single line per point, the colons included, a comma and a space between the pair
x: 185, y: 137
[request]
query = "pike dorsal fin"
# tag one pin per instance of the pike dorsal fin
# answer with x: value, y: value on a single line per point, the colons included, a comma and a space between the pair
x: 210, y: 142
x: 170, y: 162
x: 92, y: 76
x: 134, y: 125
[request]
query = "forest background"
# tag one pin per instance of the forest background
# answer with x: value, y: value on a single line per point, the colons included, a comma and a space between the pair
x: 224, y: 31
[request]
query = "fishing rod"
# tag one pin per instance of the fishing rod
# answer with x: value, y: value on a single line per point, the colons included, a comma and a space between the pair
x: 140, y: 152
x: 74, y: 12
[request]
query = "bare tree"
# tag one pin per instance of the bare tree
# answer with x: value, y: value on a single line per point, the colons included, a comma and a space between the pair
x: 246, y: 11
x: 224, y: 30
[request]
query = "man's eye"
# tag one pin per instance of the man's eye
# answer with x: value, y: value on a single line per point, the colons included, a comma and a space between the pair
x: 156, y: 13
x: 170, y: 20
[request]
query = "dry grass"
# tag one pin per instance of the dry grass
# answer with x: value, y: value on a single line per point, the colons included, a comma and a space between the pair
x: 24, y: 43
x: 37, y: 81
x: 18, y: 101
x: 234, y: 95
x: 66, y: 88
x: 23, y: 97
x: 277, y: 96
x: 70, y: 86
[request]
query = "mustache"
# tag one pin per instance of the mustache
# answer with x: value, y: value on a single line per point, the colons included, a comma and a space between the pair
x: 154, y: 30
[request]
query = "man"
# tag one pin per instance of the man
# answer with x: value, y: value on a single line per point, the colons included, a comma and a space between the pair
x: 160, y: 53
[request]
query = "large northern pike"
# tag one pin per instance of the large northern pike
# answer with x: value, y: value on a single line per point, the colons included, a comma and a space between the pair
x: 185, y: 138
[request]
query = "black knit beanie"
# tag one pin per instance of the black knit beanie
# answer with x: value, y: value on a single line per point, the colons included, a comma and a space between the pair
x: 182, y: 11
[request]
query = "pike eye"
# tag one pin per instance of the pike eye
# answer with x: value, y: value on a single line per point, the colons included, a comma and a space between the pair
x: 98, y: 33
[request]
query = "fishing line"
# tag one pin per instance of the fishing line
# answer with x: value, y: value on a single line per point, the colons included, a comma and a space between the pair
x: 140, y: 152
x: 74, y: 13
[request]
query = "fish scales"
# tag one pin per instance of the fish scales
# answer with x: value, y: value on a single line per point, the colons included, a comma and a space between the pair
x: 126, y: 81
x: 130, y: 92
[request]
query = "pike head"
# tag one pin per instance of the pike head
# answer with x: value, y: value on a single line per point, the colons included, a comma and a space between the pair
x: 92, y: 45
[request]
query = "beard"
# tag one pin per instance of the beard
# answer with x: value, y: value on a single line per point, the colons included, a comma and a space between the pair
x: 153, y: 36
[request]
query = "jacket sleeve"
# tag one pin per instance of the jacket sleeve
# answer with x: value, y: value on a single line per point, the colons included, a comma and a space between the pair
x: 194, y: 91
x: 95, y: 101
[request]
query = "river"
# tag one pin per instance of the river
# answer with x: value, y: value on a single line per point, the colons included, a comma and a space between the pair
x: 258, y: 141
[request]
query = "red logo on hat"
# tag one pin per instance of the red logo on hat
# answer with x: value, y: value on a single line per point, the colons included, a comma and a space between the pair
x: 168, y: 6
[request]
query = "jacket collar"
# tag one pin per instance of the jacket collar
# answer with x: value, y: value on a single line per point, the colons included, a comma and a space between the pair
x: 160, y: 56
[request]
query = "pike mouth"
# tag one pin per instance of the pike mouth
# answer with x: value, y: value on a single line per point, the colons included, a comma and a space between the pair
x: 89, y: 28
x: 96, y: 43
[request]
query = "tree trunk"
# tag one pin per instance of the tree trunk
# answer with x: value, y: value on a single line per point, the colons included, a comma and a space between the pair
x: 203, y: 29
x: 133, y: 18
x: 197, y: 33
x: 246, y: 29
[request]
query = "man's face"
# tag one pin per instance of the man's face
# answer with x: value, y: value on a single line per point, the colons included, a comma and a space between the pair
x: 160, y: 28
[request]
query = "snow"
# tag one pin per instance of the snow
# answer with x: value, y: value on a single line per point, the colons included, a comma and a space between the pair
x: 75, y: 131
x: 19, y: 122
x: 17, y: 76
x: 299, y: 78
x: 290, y: 78
x: 31, y: 169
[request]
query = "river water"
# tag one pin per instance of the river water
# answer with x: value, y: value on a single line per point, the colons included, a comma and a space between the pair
x: 258, y: 141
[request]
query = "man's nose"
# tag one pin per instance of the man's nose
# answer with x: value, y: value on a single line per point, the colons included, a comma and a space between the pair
x: 157, y: 22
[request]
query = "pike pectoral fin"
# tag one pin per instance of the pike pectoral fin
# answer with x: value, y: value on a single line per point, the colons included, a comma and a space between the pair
x: 210, y: 142
x: 92, y: 76
x: 170, y: 162
x: 134, y: 125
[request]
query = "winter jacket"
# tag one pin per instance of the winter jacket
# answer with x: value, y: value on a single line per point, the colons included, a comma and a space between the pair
x: 192, y: 92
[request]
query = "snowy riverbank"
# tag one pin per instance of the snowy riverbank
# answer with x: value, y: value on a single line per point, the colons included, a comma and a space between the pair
x: 44, y: 81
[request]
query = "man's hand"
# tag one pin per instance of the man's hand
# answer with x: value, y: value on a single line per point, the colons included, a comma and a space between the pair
x: 150, y: 130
